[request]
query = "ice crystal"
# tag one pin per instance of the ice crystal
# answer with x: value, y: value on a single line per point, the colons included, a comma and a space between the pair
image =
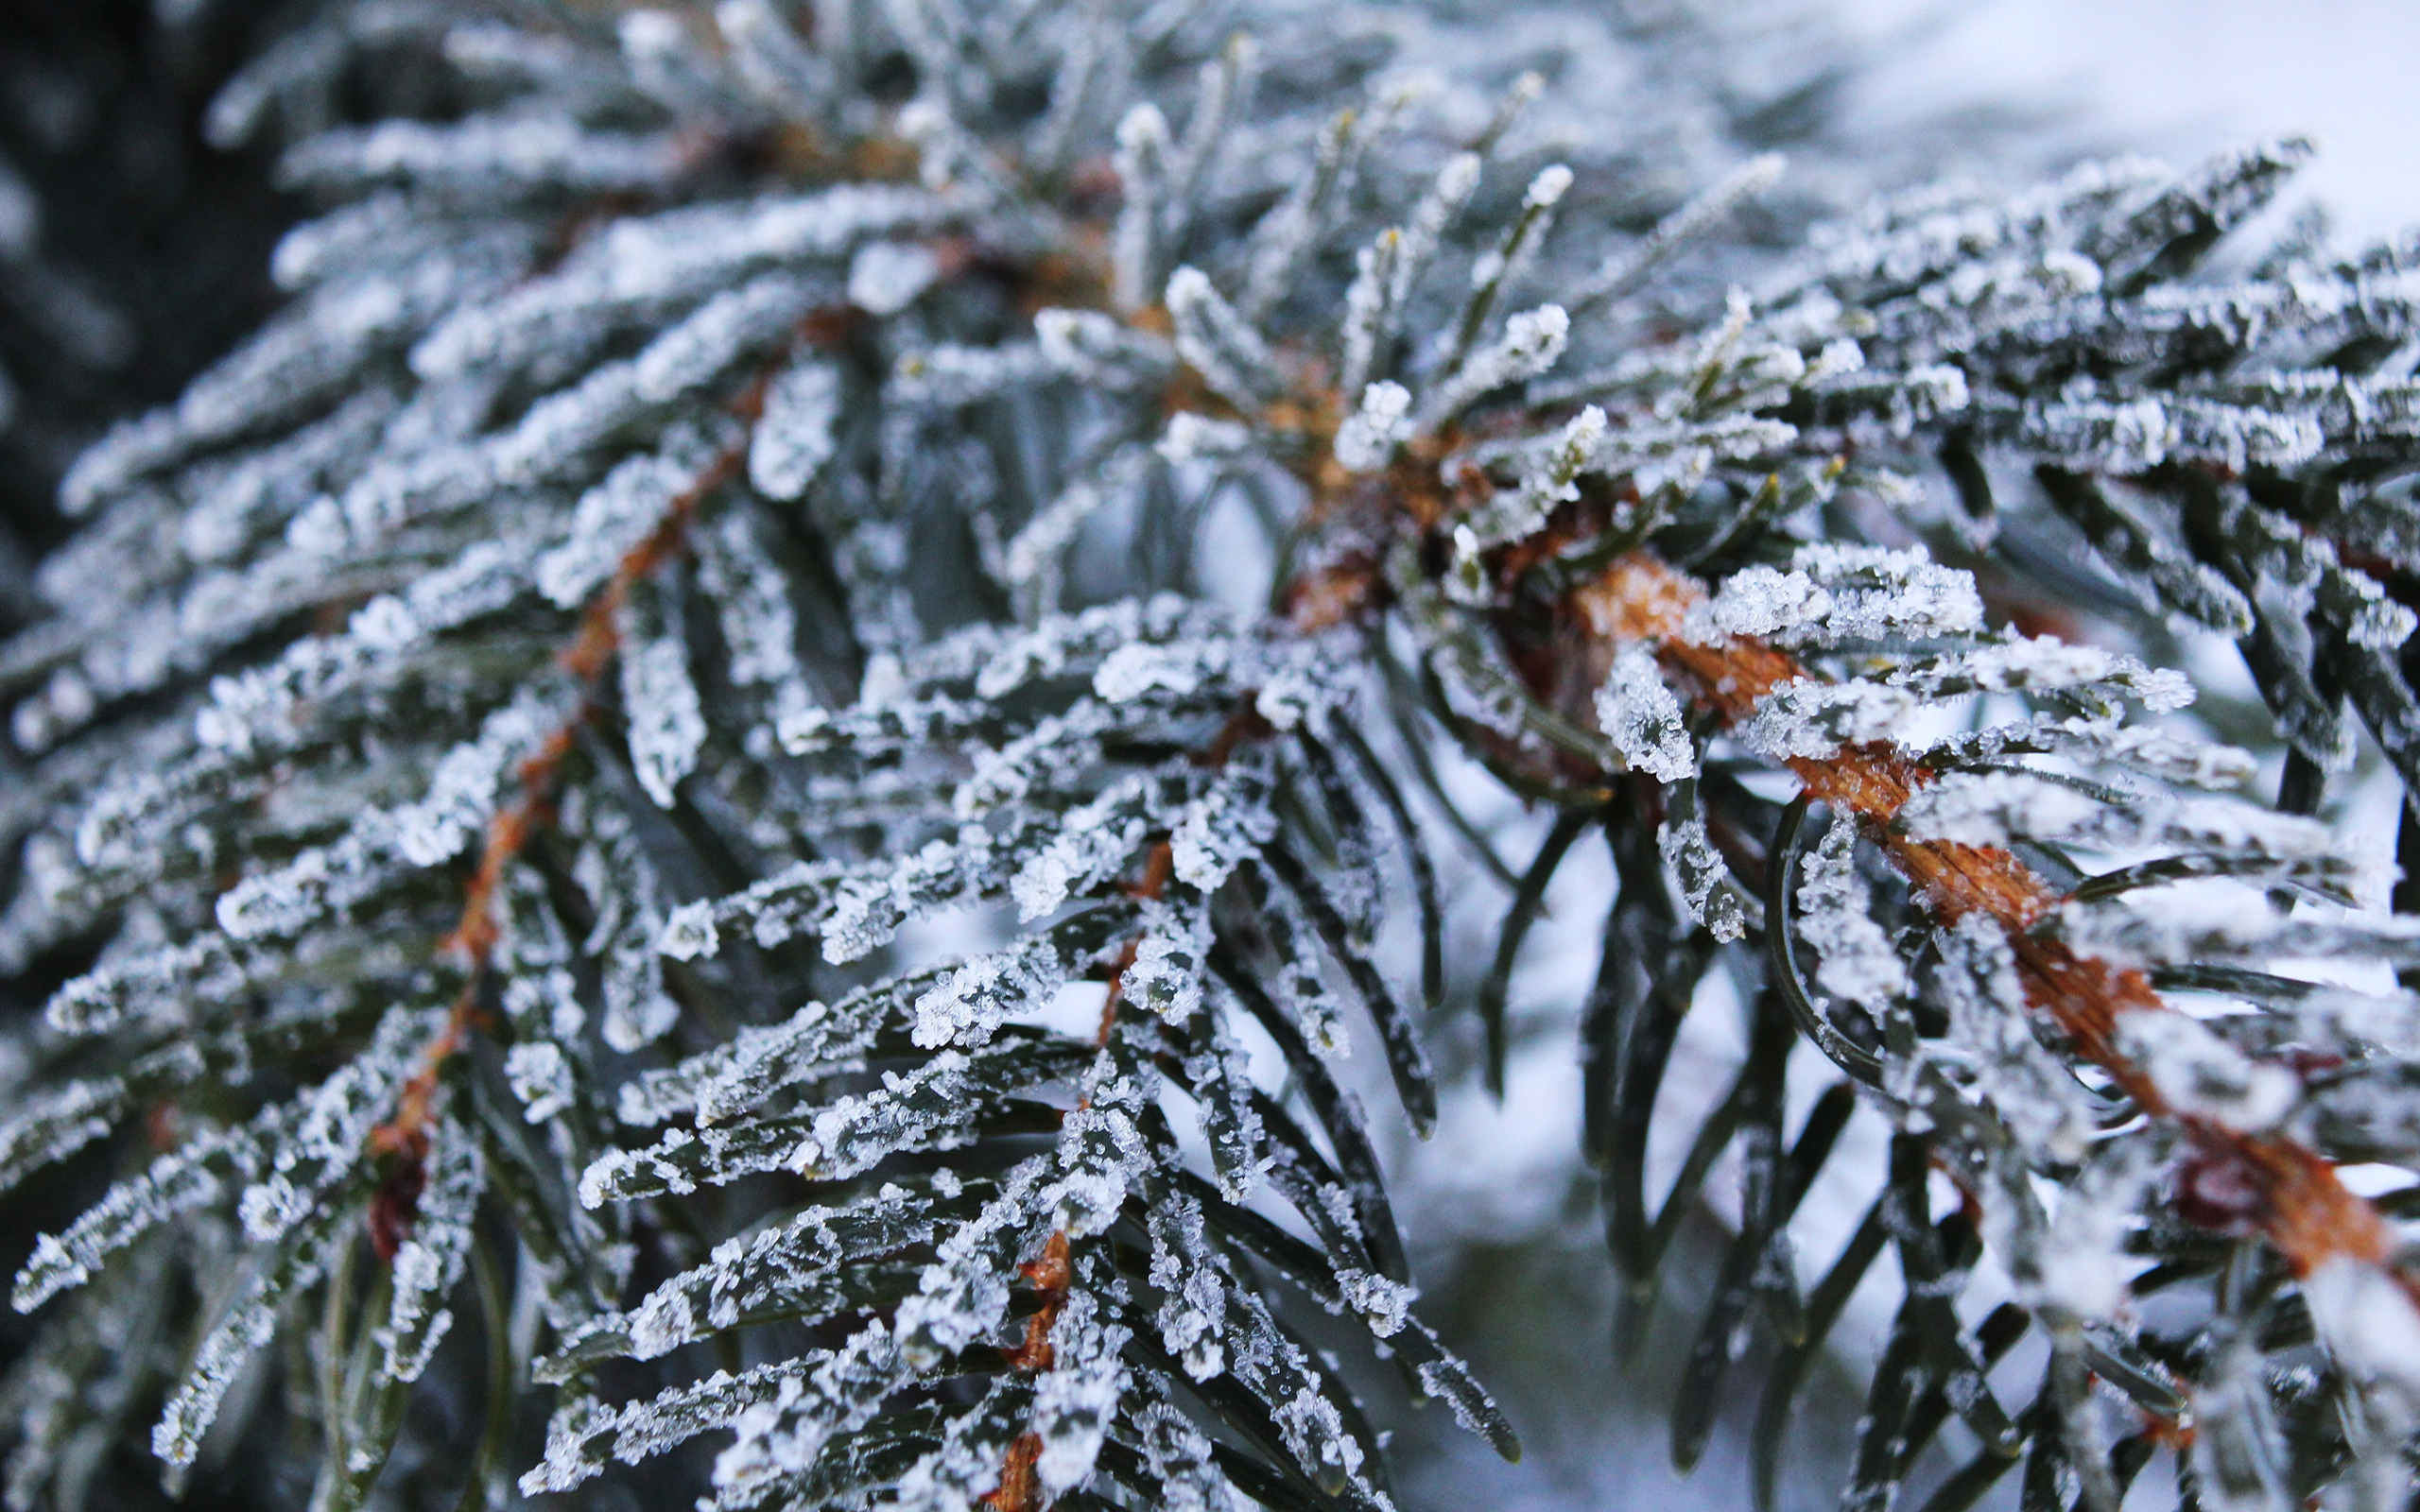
x: 1641, y: 717
x: 914, y: 603
x: 1705, y: 879
x: 1859, y: 960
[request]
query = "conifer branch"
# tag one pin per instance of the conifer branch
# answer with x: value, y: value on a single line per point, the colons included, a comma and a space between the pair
x: 589, y: 757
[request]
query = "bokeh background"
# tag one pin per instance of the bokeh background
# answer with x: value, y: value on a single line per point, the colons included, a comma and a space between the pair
x: 2173, y: 78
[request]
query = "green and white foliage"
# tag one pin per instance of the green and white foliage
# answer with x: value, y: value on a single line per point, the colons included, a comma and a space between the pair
x: 594, y: 618
x: 671, y: 805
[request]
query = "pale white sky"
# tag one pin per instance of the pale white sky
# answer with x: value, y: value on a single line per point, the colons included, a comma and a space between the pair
x: 2182, y: 78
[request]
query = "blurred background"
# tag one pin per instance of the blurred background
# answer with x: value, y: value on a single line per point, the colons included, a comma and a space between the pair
x: 2175, y: 78
x: 131, y: 252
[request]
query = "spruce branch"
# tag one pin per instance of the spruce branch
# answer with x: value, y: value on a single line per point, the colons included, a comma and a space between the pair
x: 2294, y: 1195
x: 592, y: 750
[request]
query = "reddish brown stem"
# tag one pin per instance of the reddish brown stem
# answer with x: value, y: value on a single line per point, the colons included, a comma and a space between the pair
x: 2295, y: 1197
x: 590, y: 654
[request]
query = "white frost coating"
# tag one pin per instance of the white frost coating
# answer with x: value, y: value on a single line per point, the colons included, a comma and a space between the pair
x: 2042, y: 1104
x: 946, y: 377
x: 1141, y: 160
x: 617, y: 514
x: 1001, y: 662
x: 737, y: 1076
x: 794, y: 1267
x: 2369, y: 618
x: 1759, y: 601
x: 1221, y: 346
x: 1102, y: 1153
x: 965, y: 1467
x: 1166, y: 974
x: 2202, y: 1076
x: 1076, y: 1401
x: 886, y: 277
x: 541, y: 1078
x: 1705, y: 879
x: 1836, y: 593
x: 1091, y: 842
x: 1550, y: 479
x: 328, y: 1124
x: 1858, y: 961
x: 579, y: 1430
x: 430, y: 1263
x: 793, y: 438
x: 1191, y: 437
x: 1424, y: 231
x: 608, y: 1177
x: 865, y: 911
x: 1047, y: 720
x: 187, y: 1177
x: 2157, y: 926
x: 1180, y: 1459
x: 63, y: 1121
x: 926, y: 1107
x: 1532, y: 342
x: 1366, y: 317
x: 545, y: 1000
x: 2082, y: 1262
x: 239, y: 1333
x: 1300, y: 985
x: 549, y: 440
x: 2134, y: 435
x: 1313, y: 1429
x: 689, y: 933
x: 263, y: 708
x: 1991, y: 808
x: 1032, y: 555
x: 1288, y: 698
x: 1222, y: 1087
x: 1642, y: 719
x: 1440, y: 1378
x: 2366, y: 1319
x: 1548, y: 189
x: 1193, y: 1311
x: 975, y: 998
x: 150, y: 984
x: 248, y: 1322
x: 2044, y: 665
x: 751, y: 594
x: 1808, y: 718
x: 771, y: 59
x: 1132, y: 671
x: 612, y: 870
x: 682, y: 253
x: 782, y: 1437
x: 1100, y: 350
x: 1369, y: 433
x: 2145, y: 748
x: 461, y: 795
x: 490, y: 152
x: 964, y: 1294
x: 667, y: 725
x: 1046, y: 759
x: 2389, y: 1022
x: 718, y: 335
x: 1385, y: 1305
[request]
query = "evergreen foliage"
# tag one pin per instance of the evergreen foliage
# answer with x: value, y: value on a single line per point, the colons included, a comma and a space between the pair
x: 719, y: 816
x: 131, y: 253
